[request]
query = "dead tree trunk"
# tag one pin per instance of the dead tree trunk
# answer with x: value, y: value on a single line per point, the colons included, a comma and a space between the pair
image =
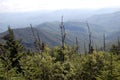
x: 77, y: 46
x: 90, y: 47
x: 39, y: 45
x: 118, y: 48
x: 34, y: 36
x: 104, y: 43
x: 63, y: 33
x: 85, y: 50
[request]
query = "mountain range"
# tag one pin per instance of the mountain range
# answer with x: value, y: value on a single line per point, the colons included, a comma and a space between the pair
x: 47, y: 27
x: 49, y: 33
x: 23, y: 19
x: 110, y: 22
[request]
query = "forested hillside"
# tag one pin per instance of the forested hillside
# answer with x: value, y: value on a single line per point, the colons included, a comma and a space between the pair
x: 70, y: 50
x: 49, y: 32
x: 58, y: 63
x: 59, y: 39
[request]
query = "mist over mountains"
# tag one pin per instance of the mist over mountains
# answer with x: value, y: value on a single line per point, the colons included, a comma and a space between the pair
x: 50, y: 33
x: 59, y: 39
x: 110, y: 22
x: 23, y: 19
x: 46, y: 23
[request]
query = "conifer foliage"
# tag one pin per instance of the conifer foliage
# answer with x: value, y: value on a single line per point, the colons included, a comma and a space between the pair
x: 55, y: 63
x: 11, y: 52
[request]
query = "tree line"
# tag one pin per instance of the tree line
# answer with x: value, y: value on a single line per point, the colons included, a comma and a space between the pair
x: 59, y: 63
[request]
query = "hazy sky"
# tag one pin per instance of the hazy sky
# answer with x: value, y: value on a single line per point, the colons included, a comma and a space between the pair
x: 32, y: 5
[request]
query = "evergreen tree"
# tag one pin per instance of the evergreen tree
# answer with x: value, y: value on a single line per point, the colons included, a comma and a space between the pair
x: 11, y: 51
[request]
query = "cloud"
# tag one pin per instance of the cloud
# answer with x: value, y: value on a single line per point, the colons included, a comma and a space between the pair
x: 30, y: 5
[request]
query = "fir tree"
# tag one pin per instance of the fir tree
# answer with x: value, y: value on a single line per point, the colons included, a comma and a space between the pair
x: 11, y: 51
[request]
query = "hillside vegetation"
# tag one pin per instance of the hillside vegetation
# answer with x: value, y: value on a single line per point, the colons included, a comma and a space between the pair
x: 49, y: 32
x: 70, y: 50
x: 58, y: 63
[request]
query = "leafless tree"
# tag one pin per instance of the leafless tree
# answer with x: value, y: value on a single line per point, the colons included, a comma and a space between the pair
x: 104, y: 42
x: 77, y: 45
x: 39, y: 45
x: 90, y: 47
x: 63, y: 33
x: 85, y: 50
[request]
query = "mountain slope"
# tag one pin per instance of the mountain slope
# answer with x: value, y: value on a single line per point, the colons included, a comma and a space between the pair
x: 50, y: 34
x: 23, y: 19
x: 109, y: 22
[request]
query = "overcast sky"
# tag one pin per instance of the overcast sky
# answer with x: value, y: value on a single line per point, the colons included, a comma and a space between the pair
x: 33, y: 5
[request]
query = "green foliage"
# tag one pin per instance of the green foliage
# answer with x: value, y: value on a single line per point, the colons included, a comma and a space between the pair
x: 11, y: 53
x: 55, y: 64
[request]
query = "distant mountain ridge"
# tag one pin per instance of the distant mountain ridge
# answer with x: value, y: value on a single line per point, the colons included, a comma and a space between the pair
x: 50, y: 34
x: 48, y: 27
x: 23, y: 19
x: 110, y: 22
